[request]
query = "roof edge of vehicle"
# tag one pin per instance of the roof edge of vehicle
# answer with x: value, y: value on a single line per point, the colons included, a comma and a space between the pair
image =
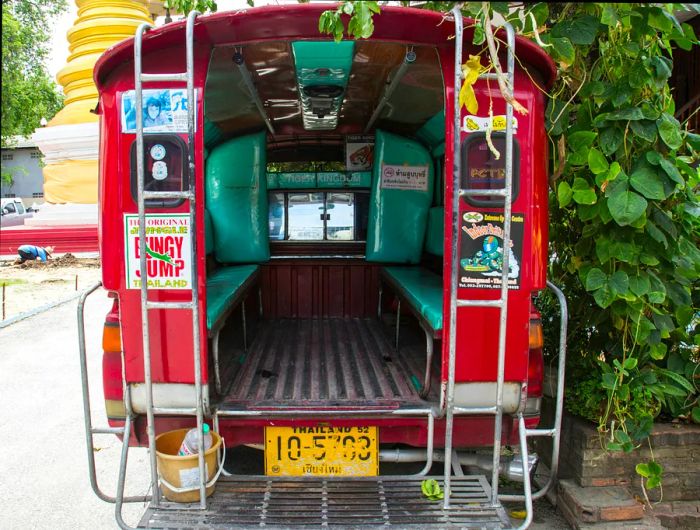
x: 218, y: 29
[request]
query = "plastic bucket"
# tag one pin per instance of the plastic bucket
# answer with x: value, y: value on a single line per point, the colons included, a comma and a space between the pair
x: 183, y: 471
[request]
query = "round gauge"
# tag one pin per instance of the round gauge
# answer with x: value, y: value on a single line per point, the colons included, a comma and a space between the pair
x: 158, y: 152
x: 160, y: 170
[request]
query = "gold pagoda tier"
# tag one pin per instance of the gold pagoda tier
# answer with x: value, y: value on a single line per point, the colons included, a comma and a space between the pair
x: 69, y: 141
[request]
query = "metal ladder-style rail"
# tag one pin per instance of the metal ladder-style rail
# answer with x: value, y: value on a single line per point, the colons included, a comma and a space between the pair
x: 501, y: 303
x: 139, y: 78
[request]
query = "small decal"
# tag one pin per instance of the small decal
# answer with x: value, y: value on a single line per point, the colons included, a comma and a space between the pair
x: 168, y: 251
x: 482, y: 250
x: 163, y: 110
x: 404, y: 177
x: 359, y: 152
x: 158, y: 152
x: 160, y: 170
x: 478, y: 123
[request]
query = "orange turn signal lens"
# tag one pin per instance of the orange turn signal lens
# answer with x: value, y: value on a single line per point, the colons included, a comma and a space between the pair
x: 536, y: 337
x: 111, y: 337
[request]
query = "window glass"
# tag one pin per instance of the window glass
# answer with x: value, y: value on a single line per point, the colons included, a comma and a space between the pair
x: 305, y: 216
x: 164, y: 168
x: 340, y: 216
x: 276, y: 209
x: 482, y: 170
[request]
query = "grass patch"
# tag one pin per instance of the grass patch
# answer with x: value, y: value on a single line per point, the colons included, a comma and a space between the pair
x: 11, y: 281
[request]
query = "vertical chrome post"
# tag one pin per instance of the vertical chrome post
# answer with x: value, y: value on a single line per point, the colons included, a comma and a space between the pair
x: 143, y: 272
x: 191, y: 125
x: 454, y: 255
x: 507, y: 214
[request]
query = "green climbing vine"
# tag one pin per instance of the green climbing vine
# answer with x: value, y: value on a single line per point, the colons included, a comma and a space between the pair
x: 625, y: 211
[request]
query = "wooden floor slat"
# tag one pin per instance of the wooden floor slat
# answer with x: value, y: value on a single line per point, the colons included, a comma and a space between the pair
x: 329, y: 362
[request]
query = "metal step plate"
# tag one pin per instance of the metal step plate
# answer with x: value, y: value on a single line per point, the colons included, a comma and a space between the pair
x: 333, y: 503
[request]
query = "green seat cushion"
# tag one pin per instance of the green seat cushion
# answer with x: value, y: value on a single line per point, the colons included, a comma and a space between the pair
x: 434, y: 235
x: 222, y: 288
x: 422, y: 289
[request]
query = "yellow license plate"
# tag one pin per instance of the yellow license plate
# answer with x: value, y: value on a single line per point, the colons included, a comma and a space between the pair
x: 321, y: 451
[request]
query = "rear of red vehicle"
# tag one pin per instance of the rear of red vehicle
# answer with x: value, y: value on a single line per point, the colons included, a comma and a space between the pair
x: 295, y: 239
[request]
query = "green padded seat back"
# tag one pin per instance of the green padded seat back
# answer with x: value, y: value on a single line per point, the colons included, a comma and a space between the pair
x: 208, y: 233
x: 222, y: 287
x: 401, y: 195
x: 236, y: 197
x: 422, y: 289
x: 434, y: 235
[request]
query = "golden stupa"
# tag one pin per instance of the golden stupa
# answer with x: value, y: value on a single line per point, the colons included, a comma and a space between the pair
x: 69, y: 141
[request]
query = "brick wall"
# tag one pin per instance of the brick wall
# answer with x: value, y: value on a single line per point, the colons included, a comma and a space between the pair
x: 583, y: 457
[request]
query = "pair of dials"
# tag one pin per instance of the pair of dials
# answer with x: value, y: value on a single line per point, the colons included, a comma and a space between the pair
x: 160, y: 168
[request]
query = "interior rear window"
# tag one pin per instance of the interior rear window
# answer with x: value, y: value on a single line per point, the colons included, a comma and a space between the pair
x: 164, y: 167
x: 481, y: 169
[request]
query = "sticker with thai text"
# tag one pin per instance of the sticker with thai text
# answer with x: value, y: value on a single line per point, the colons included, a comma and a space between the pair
x: 404, y: 177
x: 478, y: 123
x: 481, y: 250
x: 168, y: 251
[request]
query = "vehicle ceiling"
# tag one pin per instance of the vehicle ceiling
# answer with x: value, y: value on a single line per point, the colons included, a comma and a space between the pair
x: 230, y: 109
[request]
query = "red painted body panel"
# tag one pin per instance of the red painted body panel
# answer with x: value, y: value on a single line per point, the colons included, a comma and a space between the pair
x: 477, y: 328
x: 170, y: 331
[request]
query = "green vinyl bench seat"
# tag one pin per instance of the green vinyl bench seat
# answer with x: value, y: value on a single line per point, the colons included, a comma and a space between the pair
x: 226, y: 288
x: 422, y: 290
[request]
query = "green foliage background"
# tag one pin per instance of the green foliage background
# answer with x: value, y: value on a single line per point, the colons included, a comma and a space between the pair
x: 28, y: 93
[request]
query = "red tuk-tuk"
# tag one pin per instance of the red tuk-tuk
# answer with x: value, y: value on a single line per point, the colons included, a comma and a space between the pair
x: 340, y: 268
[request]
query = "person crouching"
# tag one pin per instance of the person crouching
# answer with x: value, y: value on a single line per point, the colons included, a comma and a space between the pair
x: 32, y: 252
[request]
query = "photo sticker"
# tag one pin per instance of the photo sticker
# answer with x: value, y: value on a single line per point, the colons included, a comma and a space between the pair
x: 163, y: 110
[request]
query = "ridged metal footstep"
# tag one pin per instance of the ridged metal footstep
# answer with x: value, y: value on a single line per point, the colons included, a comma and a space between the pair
x: 333, y: 503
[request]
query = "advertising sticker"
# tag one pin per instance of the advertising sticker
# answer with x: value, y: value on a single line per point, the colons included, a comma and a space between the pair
x: 481, y: 250
x: 168, y: 251
x: 404, y: 177
x: 479, y: 123
x: 163, y: 110
x: 359, y: 152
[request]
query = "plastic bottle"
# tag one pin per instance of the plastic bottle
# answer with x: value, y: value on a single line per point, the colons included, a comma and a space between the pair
x: 190, y: 443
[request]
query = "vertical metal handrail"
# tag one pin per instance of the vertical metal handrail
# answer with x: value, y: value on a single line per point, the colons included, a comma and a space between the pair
x: 454, y: 258
x: 189, y: 37
x: 555, y: 431
x: 143, y: 272
x: 507, y: 213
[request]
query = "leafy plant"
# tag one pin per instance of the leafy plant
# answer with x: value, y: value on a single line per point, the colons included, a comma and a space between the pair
x: 625, y: 212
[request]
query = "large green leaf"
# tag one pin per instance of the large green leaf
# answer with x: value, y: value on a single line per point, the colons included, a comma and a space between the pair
x: 580, y: 30
x: 610, y: 140
x: 639, y: 284
x: 630, y: 113
x: 583, y: 193
x: 619, y: 282
x: 670, y: 130
x: 656, y: 234
x: 626, y: 207
x: 564, y: 194
x: 646, y: 181
x: 595, y: 279
x: 657, y: 290
x: 563, y: 51
x: 604, y: 296
x: 645, y: 129
x: 581, y: 140
x: 597, y: 162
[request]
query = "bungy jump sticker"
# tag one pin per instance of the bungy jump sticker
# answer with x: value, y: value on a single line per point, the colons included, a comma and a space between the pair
x: 482, y: 250
x: 479, y: 123
x: 168, y: 251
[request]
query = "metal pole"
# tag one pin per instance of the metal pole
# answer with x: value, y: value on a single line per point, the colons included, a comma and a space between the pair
x: 194, y: 254
x: 3, y: 301
x: 454, y: 256
x: 410, y: 58
x: 143, y: 272
x: 507, y: 212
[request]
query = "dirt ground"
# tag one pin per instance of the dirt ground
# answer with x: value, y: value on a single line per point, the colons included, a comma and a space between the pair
x: 34, y: 284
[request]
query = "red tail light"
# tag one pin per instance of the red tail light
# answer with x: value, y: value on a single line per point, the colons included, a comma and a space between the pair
x: 112, y: 365
x: 535, y: 368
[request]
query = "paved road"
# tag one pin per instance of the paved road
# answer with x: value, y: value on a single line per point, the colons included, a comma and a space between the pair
x: 43, y: 464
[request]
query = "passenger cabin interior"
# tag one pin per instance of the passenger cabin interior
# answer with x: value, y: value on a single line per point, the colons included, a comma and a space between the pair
x: 324, y: 191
